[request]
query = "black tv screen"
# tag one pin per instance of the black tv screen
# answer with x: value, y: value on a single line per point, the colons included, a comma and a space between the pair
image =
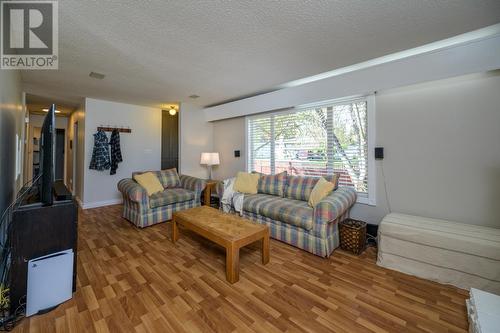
x: 47, y: 157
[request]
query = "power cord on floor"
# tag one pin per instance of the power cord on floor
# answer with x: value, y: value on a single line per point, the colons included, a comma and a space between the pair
x: 8, y: 321
x: 385, y: 187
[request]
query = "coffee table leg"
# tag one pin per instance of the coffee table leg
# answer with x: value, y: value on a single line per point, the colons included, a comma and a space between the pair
x: 232, y: 264
x: 265, y: 248
x: 175, y: 231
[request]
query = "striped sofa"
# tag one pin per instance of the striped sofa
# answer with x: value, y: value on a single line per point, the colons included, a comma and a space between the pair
x: 144, y: 211
x: 282, y: 204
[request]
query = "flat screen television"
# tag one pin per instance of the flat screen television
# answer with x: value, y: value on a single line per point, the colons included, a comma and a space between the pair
x: 47, y: 157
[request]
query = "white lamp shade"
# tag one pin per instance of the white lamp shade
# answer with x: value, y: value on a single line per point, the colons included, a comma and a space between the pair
x: 210, y: 158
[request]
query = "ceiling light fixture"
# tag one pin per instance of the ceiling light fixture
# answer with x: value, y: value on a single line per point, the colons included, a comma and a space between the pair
x: 47, y: 110
x: 172, y: 111
x: 194, y: 96
x: 96, y: 75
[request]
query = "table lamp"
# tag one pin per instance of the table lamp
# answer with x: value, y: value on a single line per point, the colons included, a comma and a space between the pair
x: 209, y: 159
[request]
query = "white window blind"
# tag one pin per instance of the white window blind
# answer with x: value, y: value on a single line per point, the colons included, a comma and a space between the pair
x: 313, y: 141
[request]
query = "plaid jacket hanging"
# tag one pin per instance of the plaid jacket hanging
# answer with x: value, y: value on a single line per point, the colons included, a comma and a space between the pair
x: 116, y: 152
x: 100, y: 154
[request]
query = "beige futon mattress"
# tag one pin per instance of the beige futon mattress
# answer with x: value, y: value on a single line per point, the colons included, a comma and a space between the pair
x: 453, y: 253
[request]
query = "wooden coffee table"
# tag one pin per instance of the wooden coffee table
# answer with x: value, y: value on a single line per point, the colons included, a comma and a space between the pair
x: 227, y: 230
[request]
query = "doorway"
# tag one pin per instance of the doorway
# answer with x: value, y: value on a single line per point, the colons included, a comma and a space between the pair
x: 169, y: 140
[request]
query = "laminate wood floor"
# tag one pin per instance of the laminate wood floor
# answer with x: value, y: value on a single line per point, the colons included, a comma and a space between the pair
x: 136, y: 280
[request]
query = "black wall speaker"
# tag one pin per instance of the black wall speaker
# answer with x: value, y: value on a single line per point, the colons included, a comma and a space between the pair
x: 379, y: 153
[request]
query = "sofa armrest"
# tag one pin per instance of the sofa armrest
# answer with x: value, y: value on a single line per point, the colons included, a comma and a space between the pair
x: 334, y: 205
x: 194, y: 184
x: 133, y: 191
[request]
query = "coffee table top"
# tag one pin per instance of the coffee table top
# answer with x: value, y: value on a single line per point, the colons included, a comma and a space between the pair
x: 210, y: 220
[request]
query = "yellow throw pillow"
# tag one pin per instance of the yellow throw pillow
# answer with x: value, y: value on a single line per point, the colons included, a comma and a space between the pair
x: 150, y: 182
x: 320, y: 190
x: 246, y: 182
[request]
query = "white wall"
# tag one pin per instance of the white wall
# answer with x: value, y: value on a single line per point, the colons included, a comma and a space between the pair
x: 442, y: 150
x: 141, y: 149
x: 11, y: 123
x: 229, y: 135
x: 196, y: 136
x: 473, y: 53
x: 442, y: 147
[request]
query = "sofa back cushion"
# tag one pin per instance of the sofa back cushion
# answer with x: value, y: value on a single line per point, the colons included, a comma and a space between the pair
x: 300, y: 187
x: 272, y: 184
x: 169, y: 178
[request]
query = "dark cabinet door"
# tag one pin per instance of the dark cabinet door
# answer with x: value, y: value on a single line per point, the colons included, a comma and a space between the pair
x: 169, y: 140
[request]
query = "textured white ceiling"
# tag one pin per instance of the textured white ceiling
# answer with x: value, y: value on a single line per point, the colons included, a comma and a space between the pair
x: 36, y: 104
x: 155, y: 52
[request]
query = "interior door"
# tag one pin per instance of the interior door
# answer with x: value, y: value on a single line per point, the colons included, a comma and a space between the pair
x: 169, y: 140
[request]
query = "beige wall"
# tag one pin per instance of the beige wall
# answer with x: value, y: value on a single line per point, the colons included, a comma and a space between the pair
x: 442, y: 150
x: 195, y: 137
x: 11, y: 123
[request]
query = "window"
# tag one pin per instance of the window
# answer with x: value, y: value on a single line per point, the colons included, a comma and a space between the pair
x: 316, y: 140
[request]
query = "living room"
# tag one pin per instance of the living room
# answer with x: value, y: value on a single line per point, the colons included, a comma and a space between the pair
x: 349, y: 148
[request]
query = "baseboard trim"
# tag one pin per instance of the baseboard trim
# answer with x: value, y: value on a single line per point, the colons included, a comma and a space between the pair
x: 95, y: 204
x: 79, y: 202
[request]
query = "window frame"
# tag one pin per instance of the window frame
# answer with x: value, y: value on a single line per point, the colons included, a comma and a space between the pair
x: 370, y: 197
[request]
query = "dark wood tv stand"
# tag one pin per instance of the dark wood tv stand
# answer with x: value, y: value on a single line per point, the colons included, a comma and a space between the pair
x: 37, y: 231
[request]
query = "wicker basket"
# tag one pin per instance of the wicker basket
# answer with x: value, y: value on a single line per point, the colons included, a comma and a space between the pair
x: 352, y: 235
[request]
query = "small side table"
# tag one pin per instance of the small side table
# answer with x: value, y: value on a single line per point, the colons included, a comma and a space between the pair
x: 209, y: 192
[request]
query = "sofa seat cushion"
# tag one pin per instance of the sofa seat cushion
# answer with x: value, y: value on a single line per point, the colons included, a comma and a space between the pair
x: 294, y: 212
x: 170, y: 196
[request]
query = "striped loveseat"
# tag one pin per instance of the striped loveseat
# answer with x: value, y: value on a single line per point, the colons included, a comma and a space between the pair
x: 282, y: 204
x: 181, y: 192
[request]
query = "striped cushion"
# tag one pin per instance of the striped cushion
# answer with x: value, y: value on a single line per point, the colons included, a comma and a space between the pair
x: 170, y: 196
x: 300, y: 187
x: 294, y: 212
x: 169, y: 178
x: 272, y: 184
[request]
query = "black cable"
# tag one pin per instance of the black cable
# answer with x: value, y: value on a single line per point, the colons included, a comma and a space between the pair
x: 8, y: 323
x: 11, y: 321
x: 20, y: 196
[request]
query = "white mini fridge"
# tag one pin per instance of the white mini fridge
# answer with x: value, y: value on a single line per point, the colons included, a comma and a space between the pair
x: 50, y: 281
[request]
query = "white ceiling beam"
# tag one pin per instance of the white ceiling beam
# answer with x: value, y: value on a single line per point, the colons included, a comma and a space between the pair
x: 473, y: 52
